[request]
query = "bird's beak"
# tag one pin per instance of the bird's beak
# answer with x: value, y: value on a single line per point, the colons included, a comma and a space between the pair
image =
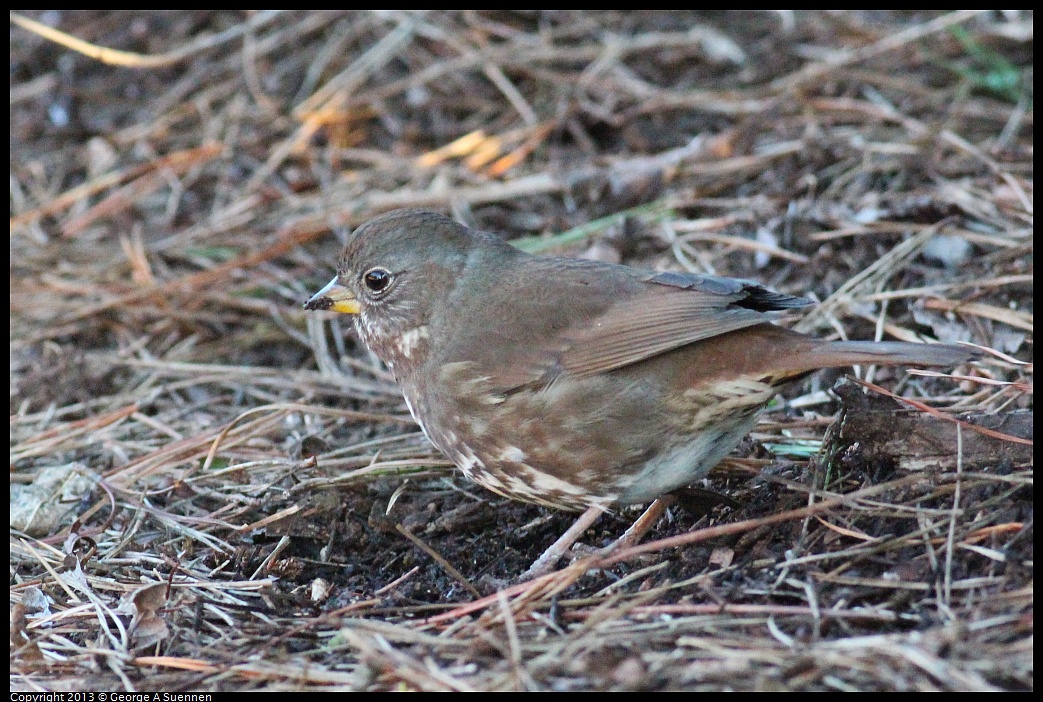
x: 334, y: 297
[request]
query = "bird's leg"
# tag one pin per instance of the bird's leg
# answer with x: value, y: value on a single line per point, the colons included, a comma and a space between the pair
x: 637, y: 531
x: 548, y: 559
x: 643, y: 525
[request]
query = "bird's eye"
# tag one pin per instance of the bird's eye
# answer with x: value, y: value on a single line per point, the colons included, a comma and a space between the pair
x: 377, y: 279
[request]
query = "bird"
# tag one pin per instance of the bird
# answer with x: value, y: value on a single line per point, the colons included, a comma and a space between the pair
x: 572, y: 383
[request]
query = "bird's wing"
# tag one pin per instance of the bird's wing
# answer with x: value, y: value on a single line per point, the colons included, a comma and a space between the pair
x: 671, y: 310
x: 583, y: 318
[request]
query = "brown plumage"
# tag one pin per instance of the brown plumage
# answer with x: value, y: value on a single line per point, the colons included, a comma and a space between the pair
x: 573, y: 383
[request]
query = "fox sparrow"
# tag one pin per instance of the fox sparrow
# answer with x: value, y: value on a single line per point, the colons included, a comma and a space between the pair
x: 574, y: 383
